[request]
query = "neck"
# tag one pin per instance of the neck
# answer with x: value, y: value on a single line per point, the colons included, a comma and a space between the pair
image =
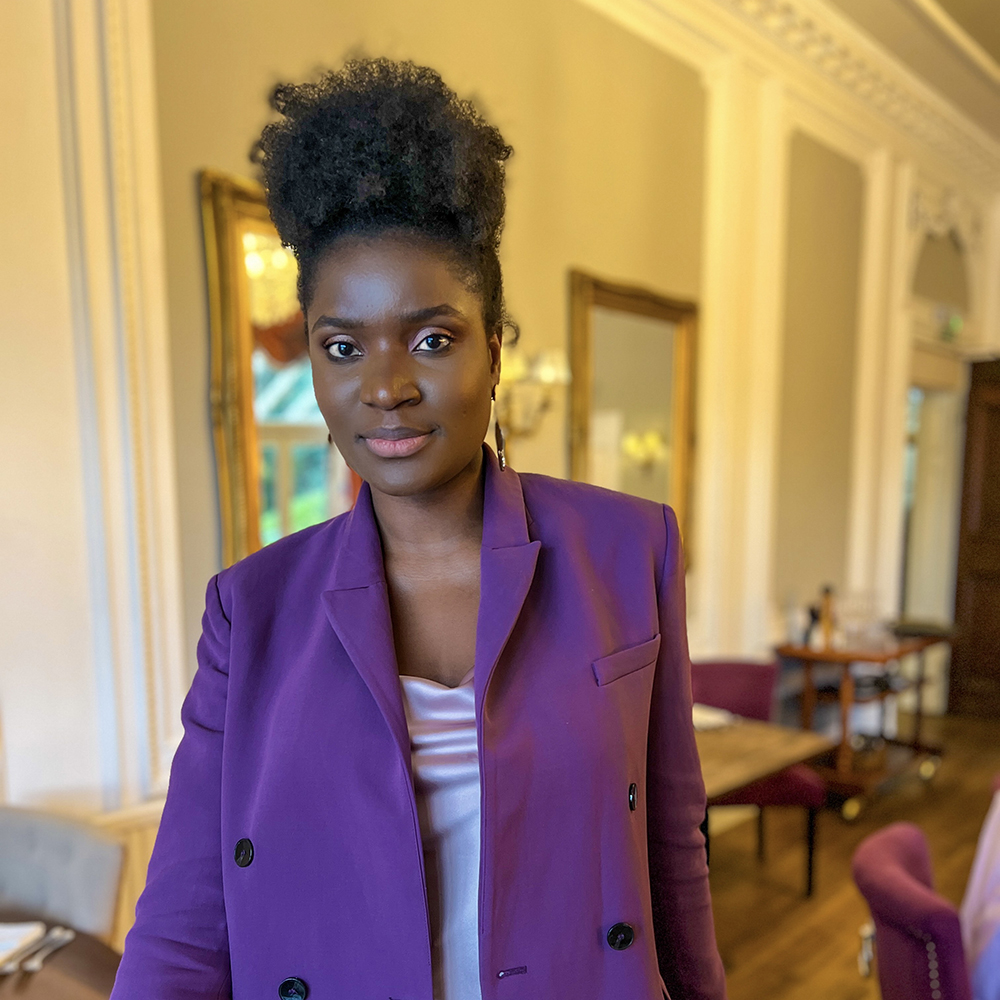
x: 446, y: 518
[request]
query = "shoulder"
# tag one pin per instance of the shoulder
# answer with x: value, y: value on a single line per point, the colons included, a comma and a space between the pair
x: 305, y: 553
x: 563, y: 506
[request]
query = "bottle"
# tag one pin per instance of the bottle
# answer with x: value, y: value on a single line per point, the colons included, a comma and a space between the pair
x: 826, y: 616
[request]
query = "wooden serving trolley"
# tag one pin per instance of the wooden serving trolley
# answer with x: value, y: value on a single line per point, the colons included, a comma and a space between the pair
x: 845, y: 774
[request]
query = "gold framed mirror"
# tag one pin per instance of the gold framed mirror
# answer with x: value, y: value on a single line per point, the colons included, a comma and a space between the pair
x: 632, y: 357
x: 276, y: 471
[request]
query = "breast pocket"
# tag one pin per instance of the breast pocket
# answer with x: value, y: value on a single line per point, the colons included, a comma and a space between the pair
x: 626, y: 661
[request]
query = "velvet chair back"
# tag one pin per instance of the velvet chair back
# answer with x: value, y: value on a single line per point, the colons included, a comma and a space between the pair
x: 744, y: 688
x: 918, y: 940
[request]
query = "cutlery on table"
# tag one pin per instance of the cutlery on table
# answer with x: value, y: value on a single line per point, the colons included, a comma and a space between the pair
x: 13, y: 961
x: 61, y: 936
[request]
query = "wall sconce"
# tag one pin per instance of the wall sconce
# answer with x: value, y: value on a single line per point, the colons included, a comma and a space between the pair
x: 527, y: 388
x: 646, y: 448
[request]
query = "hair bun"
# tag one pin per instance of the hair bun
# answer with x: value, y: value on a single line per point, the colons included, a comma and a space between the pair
x: 384, y: 144
x: 381, y: 143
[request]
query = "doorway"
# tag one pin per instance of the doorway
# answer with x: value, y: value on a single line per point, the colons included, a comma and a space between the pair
x: 975, y: 672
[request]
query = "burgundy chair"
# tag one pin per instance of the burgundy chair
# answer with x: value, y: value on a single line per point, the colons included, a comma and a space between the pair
x: 746, y: 688
x: 918, y: 940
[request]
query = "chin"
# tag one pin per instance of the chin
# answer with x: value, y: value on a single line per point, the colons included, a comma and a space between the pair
x: 423, y: 473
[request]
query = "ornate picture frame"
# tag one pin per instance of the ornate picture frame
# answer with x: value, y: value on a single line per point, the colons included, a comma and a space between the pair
x: 228, y: 203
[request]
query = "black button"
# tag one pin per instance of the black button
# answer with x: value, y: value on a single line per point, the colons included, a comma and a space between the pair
x: 244, y: 853
x: 293, y: 989
x: 621, y: 936
x: 632, y: 792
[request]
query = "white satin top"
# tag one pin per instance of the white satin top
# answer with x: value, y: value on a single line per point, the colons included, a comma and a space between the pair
x: 445, y: 758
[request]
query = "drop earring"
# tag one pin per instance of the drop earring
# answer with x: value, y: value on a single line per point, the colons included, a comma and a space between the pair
x: 501, y: 457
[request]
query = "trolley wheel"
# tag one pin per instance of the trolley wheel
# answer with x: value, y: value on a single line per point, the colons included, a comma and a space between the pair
x: 929, y: 767
x: 851, y: 809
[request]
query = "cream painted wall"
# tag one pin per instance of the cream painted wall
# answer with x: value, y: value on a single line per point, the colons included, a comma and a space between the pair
x: 607, y: 174
x: 48, y: 672
x: 825, y: 206
x: 941, y: 275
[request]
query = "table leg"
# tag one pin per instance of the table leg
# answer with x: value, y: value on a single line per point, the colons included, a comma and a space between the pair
x: 918, y: 715
x: 844, y: 753
x: 808, y: 695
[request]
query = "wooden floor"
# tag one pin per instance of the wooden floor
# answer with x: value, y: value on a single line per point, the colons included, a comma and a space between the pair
x: 778, y: 945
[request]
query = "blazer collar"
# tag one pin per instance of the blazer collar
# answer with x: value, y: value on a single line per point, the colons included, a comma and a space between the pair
x: 357, y: 601
x: 358, y: 559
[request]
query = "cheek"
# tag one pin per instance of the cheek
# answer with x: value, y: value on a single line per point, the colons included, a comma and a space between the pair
x: 468, y: 397
x: 332, y: 393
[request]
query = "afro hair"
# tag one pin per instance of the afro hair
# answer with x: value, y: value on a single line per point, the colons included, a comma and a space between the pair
x: 384, y: 145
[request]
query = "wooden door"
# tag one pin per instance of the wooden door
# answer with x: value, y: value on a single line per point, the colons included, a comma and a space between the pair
x: 975, y: 669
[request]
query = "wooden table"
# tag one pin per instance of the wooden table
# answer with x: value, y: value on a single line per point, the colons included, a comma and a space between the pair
x: 82, y: 970
x: 844, y: 776
x: 737, y: 755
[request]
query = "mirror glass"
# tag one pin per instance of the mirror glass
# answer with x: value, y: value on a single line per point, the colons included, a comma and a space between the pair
x: 631, y: 414
x: 300, y: 475
x: 277, y: 472
x: 631, y: 425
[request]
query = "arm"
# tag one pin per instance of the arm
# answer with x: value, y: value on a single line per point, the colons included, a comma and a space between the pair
x: 682, y: 907
x: 178, y: 948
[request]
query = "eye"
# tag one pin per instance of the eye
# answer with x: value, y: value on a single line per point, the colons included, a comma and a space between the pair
x: 341, y: 349
x: 435, y: 343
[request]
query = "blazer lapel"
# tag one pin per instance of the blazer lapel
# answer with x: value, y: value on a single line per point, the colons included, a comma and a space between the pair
x: 357, y: 606
x: 507, y: 567
x: 357, y: 603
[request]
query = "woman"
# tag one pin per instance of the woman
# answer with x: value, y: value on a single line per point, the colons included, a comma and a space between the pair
x: 440, y: 747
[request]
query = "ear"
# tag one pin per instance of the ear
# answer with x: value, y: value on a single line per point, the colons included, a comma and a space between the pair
x: 494, y: 343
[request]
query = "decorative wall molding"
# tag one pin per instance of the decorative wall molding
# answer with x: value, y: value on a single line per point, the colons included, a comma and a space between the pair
x: 938, y: 209
x: 831, y: 46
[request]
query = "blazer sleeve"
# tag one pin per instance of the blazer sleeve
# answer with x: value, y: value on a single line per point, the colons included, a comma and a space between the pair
x: 178, y: 947
x: 682, y: 907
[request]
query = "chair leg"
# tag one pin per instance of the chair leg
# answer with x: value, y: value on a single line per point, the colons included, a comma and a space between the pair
x: 760, y: 833
x: 810, y: 849
x: 704, y: 832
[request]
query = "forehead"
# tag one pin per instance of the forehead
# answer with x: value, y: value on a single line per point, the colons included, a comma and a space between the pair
x: 373, y: 278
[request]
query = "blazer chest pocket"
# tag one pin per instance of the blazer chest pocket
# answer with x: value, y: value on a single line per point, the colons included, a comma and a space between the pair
x: 626, y: 661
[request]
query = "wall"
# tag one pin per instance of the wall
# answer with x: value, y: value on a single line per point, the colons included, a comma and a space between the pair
x: 607, y: 173
x: 48, y: 680
x: 825, y: 206
x: 940, y: 274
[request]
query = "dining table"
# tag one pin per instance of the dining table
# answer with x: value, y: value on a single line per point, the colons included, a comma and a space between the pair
x: 84, y: 969
x: 743, y: 751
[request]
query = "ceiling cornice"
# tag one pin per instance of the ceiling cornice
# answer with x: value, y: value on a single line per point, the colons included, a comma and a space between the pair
x: 833, y: 46
x: 947, y: 28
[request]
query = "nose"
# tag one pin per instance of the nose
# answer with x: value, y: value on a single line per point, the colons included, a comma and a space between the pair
x: 388, y: 382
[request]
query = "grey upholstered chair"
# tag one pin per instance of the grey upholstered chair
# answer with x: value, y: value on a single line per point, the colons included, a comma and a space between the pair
x: 59, y: 868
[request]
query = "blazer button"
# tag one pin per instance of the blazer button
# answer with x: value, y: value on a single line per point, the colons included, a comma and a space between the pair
x: 632, y: 795
x: 243, y: 853
x: 293, y: 989
x: 621, y: 936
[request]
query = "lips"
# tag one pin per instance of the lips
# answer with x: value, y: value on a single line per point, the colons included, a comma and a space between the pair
x: 396, y: 442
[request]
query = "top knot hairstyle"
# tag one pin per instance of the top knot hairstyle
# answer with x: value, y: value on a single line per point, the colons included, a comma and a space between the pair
x: 382, y: 145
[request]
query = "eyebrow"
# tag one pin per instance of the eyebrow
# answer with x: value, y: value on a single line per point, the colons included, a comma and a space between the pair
x: 409, y: 319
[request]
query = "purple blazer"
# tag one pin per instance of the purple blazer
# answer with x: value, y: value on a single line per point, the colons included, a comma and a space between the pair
x: 289, y: 862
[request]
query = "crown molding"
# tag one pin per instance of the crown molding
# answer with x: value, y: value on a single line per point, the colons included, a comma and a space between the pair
x: 808, y: 42
x: 836, y: 49
x: 957, y: 37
